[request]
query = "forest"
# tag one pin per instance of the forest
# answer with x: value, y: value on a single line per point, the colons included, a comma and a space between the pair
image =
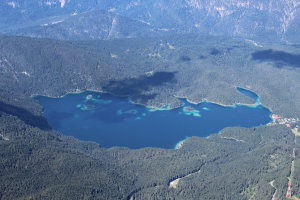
x: 237, y: 163
x: 202, y: 67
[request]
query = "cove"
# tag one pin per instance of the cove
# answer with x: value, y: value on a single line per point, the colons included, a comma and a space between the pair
x: 115, y: 121
x: 249, y: 93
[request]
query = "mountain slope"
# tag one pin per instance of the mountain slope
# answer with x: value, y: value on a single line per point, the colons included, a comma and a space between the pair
x: 271, y: 20
x: 267, y: 20
x: 88, y: 25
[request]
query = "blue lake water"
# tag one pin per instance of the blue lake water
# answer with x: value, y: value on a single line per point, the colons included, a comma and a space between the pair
x: 115, y: 121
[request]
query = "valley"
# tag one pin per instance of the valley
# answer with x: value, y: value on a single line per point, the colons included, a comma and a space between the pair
x: 131, y: 99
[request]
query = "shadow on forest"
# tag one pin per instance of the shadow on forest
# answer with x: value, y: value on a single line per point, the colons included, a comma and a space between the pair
x: 215, y: 52
x: 280, y: 58
x: 136, y: 87
x: 185, y: 58
x: 26, y: 116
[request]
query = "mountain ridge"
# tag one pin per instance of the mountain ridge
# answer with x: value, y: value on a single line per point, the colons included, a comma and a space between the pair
x: 263, y: 21
x: 95, y: 24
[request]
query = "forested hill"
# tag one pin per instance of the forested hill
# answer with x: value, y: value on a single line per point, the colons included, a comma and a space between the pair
x: 154, y: 71
x: 269, y: 20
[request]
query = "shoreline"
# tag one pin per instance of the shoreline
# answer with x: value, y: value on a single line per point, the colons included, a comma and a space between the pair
x: 205, y: 100
x: 76, y: 91
x: 180, y: 143
x: 162, y: 108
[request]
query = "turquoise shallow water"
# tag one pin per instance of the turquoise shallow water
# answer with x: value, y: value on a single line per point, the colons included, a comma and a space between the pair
x: 115, y: 121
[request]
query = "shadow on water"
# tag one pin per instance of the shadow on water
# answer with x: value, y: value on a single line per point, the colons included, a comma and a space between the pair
x: 280, y: 58
x: 136, y: 87
x: 58, y: 117
x: 26, y: 116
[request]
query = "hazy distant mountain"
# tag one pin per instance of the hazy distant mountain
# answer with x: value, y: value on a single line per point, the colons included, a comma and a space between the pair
x: 270, y: 19
x: 89, y: 25
x: 261, y: 20
x: 24, y: 13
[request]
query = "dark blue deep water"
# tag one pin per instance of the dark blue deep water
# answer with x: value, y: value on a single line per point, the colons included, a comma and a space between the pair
x: 115, y: 121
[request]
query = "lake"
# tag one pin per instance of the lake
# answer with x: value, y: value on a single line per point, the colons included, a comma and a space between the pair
x: 115, y: 121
